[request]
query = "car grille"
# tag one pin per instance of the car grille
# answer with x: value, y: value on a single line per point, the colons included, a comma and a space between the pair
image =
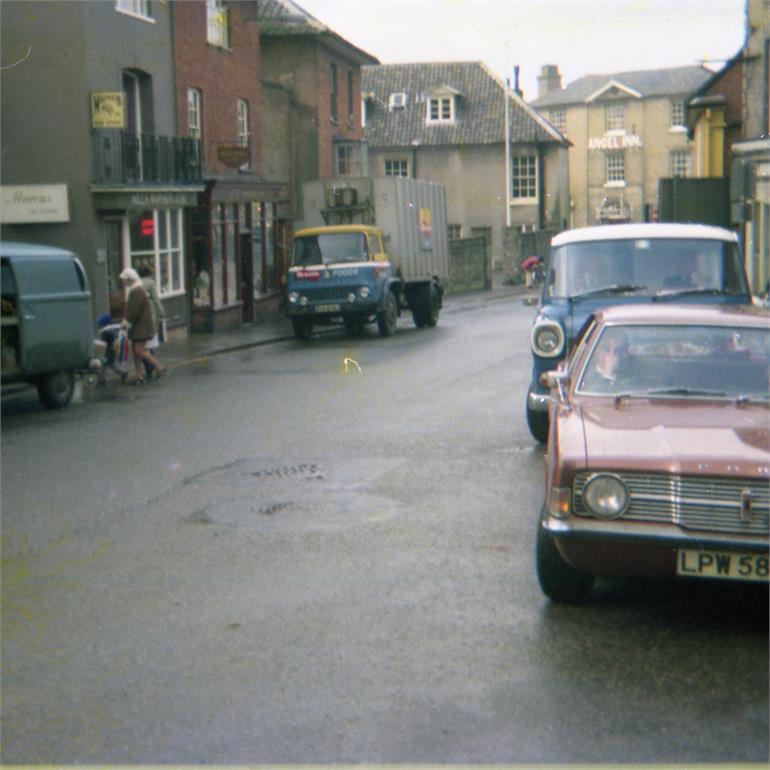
x: 691, y: 502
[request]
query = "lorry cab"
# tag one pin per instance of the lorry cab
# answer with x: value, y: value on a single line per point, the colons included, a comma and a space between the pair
x: 47, y: 326
x: 340, y: 272
x: 593, y: 267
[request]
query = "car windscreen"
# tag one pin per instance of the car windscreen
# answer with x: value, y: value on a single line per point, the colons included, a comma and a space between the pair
x: 678, y: 360
x: 652, y: 266
x: 325, y: 248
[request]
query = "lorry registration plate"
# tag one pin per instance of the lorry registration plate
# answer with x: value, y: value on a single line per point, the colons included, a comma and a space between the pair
x: 722, y: 565
x: 327, y: 308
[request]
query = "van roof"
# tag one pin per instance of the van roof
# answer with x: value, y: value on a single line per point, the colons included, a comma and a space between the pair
x: 33, y: 250
x: 643, y: 230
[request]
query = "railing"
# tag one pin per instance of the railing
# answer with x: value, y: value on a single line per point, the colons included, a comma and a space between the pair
x: 121, y: 157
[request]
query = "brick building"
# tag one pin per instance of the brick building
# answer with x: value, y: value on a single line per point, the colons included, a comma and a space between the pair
x: 234, y: 230
x: 311, y: 86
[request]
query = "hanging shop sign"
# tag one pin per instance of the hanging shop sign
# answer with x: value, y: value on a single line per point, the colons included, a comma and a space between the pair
x: 233, y: 156
x: 107, y: 109
x: 30, y: 203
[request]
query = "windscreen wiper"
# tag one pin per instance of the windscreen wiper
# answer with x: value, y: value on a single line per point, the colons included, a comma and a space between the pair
x: 679, y: 391
x: 616, y: 288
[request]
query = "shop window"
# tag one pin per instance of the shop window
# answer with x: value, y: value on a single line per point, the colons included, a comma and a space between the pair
x: 155, y: 238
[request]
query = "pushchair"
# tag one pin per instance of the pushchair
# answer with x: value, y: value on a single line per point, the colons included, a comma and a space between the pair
x: 111, y: 347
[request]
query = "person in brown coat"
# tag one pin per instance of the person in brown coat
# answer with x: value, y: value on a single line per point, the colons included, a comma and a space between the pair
x: 141, y: 324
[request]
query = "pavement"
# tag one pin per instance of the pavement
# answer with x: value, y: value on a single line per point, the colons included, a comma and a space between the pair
x: 250, y: 335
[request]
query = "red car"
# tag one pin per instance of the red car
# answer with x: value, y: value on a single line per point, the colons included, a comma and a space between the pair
x: 658, y: 456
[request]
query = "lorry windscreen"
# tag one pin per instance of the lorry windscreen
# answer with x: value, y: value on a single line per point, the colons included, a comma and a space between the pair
x: 651, y: 266
x: 326, y: 248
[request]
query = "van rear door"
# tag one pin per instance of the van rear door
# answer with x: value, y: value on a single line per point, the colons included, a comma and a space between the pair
x: 54, y: 304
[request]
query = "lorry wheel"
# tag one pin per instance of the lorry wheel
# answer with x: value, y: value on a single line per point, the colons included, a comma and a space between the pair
x: 433, y: 306
x: 559, y: 580
x: 303, y: 328
x: 56, y: 390
x: 387, y: 320
x: 425, y: 306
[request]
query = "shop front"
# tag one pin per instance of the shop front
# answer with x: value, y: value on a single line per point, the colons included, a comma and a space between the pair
x: 147, y: 229
x: 237, y: 241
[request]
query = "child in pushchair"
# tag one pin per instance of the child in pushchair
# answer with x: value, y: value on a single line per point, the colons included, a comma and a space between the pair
x: 109, y: 332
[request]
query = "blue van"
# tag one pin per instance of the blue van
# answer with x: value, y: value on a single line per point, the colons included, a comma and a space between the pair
x: 47, y: 320
x: 592, y: 267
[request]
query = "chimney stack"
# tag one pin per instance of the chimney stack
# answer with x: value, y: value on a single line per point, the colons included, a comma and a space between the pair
x: 548, y: 80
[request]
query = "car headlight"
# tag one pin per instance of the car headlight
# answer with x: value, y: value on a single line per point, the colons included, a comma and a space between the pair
x: 547, y: 339
x: 293, y: 297
x: 363, y: 292
x: 605, y: 496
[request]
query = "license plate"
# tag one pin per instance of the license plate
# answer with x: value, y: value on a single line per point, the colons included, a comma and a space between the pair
x: 722, y: 565
x: 327, y: 308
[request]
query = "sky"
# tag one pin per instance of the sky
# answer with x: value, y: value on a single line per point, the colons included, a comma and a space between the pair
x: 582, y: 38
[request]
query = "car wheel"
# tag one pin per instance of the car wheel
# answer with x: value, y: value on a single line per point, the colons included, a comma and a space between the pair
x: 303, y: 328
x: 558, y: 580
x: 538, y: 425
x: 387, y: 320
x: 56, y: 390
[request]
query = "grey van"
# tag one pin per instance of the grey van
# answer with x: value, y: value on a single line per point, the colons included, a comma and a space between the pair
x: 47, y: 320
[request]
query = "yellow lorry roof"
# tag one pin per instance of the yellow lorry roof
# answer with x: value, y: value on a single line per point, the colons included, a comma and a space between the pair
x: 337, y: 229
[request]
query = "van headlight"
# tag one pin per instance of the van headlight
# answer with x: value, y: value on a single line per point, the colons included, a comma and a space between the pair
x: 293, y: 297
x: 606, y: 496
x: 547, y: 338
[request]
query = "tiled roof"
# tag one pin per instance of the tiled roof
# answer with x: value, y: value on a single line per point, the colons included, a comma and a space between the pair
x: 284, y: 18
x: 676, y: 81
x: 479, y: 116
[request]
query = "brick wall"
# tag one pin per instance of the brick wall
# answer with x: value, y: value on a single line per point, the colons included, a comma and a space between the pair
x: 222, y: 75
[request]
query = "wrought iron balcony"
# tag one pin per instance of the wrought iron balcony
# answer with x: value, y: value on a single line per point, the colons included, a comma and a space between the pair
x: 122, y: 157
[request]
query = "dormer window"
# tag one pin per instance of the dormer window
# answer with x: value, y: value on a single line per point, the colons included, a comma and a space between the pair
x: 397, y: 101
x: 441, y: 104
x: 441, y: 109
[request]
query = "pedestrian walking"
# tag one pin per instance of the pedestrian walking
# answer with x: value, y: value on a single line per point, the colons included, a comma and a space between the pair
x: 139, y: 321
x: 158, y: 316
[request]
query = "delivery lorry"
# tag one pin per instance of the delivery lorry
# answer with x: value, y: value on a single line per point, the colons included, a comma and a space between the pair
x: 370, y: 248
x: 47, y: 327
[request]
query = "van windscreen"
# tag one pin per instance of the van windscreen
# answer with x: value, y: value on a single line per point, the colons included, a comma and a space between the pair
x: 651, y: 266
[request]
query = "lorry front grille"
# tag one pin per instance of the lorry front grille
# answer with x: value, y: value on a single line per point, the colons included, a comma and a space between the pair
x: 691, y: 502
x: 330, y: 294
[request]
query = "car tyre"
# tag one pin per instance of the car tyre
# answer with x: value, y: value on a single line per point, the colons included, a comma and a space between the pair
x: 558, y: 580
x: 387, y: 319
x: 537, y: 422
x: 56, y: 390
